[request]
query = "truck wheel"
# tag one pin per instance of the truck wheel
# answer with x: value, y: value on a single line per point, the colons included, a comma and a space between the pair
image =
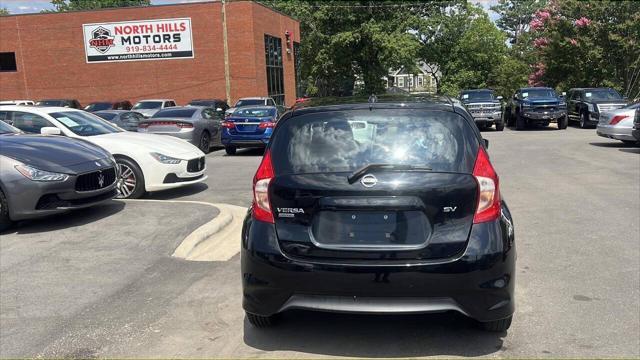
x: 520, y: 122
x: 500, y: 126
x: 584, y: 120
x: 562, y: 122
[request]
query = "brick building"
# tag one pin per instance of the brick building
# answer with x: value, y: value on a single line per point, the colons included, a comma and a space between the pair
x: 166, y: 51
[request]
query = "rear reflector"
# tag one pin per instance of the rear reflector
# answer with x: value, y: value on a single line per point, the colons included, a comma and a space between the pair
x: 488, y: 191
x: 616, y: 119
x: 261, y: 208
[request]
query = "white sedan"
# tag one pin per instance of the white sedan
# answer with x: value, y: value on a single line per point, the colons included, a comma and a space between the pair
x: 146, y: 162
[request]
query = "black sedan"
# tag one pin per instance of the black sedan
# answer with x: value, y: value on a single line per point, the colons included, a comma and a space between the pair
x: 45, y: 175
x: 392, y: 207
x: 124, y: 119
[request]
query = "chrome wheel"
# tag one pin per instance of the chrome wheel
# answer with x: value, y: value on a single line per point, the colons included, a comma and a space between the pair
x: 126, y: 182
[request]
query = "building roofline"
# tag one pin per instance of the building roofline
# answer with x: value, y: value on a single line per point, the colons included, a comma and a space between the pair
x: 146, y: 7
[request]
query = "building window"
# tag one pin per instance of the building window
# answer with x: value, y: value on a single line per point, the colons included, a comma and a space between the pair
x: 296, y: 64
x: 400, y: 82
x: 420, y: 79
x: 275, y: 70
x: 410, y: 81
x: 8, y: 61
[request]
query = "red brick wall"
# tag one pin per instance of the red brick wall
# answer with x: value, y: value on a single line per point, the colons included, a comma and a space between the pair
x: 51, y: 60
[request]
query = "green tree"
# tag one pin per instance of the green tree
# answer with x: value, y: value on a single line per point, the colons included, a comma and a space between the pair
x: 355, y: 40
x: 71, y: 5
x: 4, y: 11
x: 463, y: 47
x: 589, y: 43
x: 515, y: 16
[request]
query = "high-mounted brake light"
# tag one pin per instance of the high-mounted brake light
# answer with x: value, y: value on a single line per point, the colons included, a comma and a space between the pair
x: 616, y: 119
x: 488, y: 190
x: 261, y: 207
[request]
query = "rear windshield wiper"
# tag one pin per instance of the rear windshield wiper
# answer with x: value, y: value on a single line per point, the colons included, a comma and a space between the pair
x: 392, y: 167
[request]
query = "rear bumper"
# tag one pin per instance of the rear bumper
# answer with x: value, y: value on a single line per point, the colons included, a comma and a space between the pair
x: 478, y: 283
x: 245, y: 142
x: 616, y: 133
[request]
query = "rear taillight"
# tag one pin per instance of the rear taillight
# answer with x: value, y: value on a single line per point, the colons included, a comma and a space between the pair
x: 488, y: 191
x: 261, y: 208
x: 616, y: 119
x: 267, y: 124
x: 184, y: 125
x: 143, y: 125
x: 228, y: 124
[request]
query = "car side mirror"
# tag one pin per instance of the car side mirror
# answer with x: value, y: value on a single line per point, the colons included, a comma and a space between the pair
x: 486, y: 143
x: 50, y: 130
x: 499, y: 98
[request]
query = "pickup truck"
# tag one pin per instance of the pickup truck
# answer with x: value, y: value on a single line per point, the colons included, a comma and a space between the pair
x: 536, y: 106
x: 585, y: 104
x: 484, y: 106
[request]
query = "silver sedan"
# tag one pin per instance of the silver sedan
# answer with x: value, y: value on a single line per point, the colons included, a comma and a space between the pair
x: 618, y: 124
x: 198, y: 125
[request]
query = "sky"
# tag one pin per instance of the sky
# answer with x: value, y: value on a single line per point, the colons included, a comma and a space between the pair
x: 34, y: 6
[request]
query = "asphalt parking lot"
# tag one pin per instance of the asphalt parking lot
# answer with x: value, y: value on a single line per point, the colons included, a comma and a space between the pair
x: 102, y: 283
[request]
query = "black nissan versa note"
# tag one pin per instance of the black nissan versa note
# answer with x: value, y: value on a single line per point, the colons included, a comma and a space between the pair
x: 385, y: 207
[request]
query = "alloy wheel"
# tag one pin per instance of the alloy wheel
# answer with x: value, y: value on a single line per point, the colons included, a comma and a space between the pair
x: 126, y: 182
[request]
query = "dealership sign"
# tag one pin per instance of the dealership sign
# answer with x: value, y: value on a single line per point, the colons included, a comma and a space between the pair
x: 138, y: 40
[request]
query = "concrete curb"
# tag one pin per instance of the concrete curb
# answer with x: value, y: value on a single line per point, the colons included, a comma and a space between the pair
x: 216, y: 240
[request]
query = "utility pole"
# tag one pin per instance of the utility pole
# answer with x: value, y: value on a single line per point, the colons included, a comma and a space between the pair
x: 227, y: 72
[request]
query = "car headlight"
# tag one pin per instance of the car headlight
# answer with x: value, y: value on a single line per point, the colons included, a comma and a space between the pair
x: 165, y: 159
x: 35, y: 174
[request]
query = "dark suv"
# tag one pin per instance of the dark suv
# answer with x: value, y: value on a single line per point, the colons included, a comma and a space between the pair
x: 385, y: 207
x: 484, y: 106
x: 586, y: 104
x: 536, y: 106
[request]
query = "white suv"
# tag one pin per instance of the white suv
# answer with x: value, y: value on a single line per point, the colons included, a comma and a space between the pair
x: 149, y: 107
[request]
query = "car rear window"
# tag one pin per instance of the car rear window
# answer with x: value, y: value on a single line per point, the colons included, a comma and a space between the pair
x: 255, y: 112
x: 175, y: 113
x: 248, y: 102
x: 343, y: 141
x: 98, y: 106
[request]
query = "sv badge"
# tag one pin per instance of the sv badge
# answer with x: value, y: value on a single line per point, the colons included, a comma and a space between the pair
x: 449, y: 209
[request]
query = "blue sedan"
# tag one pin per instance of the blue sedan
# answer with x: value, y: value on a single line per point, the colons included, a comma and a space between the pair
x: 248, y: 127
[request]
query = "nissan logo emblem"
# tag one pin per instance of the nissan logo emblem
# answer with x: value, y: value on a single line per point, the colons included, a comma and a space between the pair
x: 368, y: 181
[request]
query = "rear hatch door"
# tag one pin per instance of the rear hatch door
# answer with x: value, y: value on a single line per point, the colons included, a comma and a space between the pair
x: 420, y: 205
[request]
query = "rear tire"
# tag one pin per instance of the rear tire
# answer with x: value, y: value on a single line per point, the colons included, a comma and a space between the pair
x: 520, y: 122
x: 563, y: 122
x: 497, y: 325
x: 260, y: 321
x: 131, y: 179
x: 500, y: 126
x: 231, y: 150
x: 5, y: 221
x: 205, y: 142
